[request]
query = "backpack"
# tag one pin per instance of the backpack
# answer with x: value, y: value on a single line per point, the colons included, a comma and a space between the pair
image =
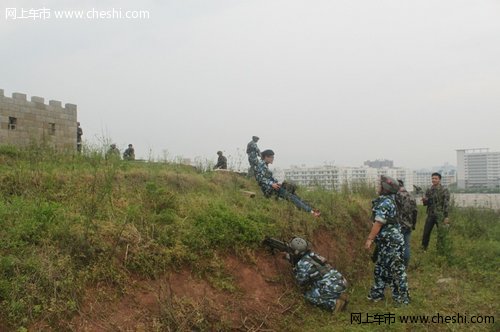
x: 405, y: 210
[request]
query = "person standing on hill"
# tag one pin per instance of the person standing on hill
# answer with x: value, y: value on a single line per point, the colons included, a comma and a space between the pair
x: 253, y: 153
x: 221, y: 161
x: 386, y: 233
x: 437, y: 199
x: 270, y: 186
x: 79, y: 134
x: 407, y: 217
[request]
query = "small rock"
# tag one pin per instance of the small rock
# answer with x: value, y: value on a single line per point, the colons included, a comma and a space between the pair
x: 444, y: 280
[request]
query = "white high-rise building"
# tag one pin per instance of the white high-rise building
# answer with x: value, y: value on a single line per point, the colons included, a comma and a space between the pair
x: 334, y: 177
x: 478, y: 169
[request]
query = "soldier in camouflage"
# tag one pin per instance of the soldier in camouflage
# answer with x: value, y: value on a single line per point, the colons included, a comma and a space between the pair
x: 407, y: 217
x: 253, y: 153
x: 386, y: 233
x: 113, y: 152
x: 437, y: 199
x: 221, y: 161
x: 270, y: 186
x: 324, y: 286
x: 129, y: 153
x: 79, y: 134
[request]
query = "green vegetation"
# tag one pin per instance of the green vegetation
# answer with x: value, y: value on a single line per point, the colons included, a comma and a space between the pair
x: 72, y: 224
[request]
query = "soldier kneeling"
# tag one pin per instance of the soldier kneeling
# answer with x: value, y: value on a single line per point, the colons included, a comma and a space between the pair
x: 324, y: 286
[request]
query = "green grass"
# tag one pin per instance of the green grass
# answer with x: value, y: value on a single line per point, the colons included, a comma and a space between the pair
x: 472, y: 289
x: 70, y: 222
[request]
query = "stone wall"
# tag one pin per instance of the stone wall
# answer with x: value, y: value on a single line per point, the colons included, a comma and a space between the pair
x: 24, y: 122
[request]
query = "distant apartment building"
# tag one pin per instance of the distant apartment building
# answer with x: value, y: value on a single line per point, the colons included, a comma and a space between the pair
x: 24, y: 122
x: 335, y: 177
x: 379, y: 163
x: 478, y: 169
x: 422, y: 178
x: 327, y: 177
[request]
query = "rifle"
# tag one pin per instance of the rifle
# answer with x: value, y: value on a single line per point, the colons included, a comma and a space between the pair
x: 273, y: 243
x: 418, y: 190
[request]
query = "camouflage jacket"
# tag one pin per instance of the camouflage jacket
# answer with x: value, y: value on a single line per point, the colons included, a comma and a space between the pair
x: 221, y: 163
x: 113, y: 153
x: 384, y: 209
x: 129, y: 154
x: 438, y: 199
x: 265, y: 178
x: 79, y: 134
x: 253, y: 152
x: 313, y: 271
x: 406, y: 213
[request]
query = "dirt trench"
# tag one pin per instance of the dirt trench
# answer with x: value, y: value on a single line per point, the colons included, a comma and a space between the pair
x: 263, y: 293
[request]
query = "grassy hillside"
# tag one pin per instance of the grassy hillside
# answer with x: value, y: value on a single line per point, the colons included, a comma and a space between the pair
x: 86, y: 243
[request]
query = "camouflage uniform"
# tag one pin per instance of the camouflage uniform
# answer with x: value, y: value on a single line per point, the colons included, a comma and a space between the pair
x: 389, y: 267
x: 407, y: 218
x: 265, y: 180
x: 129, y: 154
x: 253, y: 153
x: 324, y: 284
x: 221, y: 162
x: 79, y: 134
x: 438, y: 199
x: 113, y: 153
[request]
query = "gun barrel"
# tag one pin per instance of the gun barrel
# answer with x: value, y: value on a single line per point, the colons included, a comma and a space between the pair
x: 276, y: 244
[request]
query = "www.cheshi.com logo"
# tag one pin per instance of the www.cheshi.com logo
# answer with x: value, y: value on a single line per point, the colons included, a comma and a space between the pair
x: 91, y: 14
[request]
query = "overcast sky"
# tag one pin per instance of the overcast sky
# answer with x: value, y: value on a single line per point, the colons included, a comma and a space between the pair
x: 318, y: 80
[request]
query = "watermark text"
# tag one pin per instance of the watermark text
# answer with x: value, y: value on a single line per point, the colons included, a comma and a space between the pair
x: 89, y: 14
x: 390, y: 318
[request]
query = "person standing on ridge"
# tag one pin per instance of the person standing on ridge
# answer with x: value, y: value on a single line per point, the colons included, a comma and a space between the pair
x: 253, y: 153
x: 79, y: 134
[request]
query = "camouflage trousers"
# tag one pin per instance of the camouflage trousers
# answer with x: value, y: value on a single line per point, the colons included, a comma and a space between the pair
x: 390, y: 270
x: 252, y: 170
x: 326, y: 291
x: 443, y: 243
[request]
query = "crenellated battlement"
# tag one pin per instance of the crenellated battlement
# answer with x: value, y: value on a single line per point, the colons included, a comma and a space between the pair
x: 23, y: 121
x: 35, y: 101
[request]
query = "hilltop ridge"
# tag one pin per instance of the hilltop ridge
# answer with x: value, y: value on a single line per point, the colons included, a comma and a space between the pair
x: 95, y: 245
